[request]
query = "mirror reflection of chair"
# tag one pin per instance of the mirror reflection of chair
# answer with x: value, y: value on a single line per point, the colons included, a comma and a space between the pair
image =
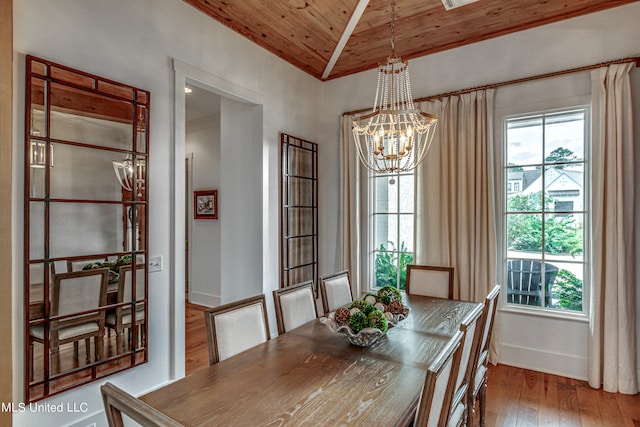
x: 295, y: 305
x: 524, y: 282
x: 75, y: 315
x: 121, y: 319
x: 118, y: 402
x: 235, y: 327
x: 438, y: 389
x: 430, y: 281
x: 336, y: 291
x: 478, y: 383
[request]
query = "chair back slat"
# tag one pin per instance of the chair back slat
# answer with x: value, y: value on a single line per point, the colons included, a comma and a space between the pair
x: 235, y: 327
x: 295, y: 306
x: 431, y: 281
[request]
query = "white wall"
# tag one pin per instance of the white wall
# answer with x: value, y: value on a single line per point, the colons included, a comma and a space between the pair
x: 553, y: 345
x: 203, y: 143
x: 134, y: 41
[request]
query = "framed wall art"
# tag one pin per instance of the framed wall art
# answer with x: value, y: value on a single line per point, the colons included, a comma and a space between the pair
x: 205, y: 204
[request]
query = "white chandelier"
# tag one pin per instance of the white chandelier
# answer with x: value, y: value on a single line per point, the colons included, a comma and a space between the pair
x: 395, y: 136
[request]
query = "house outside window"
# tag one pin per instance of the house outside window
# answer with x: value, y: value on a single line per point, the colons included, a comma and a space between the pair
x: 545, y: 220
x: 391, y: 245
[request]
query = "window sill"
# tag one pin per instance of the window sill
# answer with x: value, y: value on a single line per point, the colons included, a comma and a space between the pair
x: 541, y: 312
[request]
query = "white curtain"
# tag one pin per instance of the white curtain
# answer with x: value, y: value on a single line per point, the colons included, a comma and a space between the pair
x: 348, y: 249
x: 456, y: 196
x: 612, y: 346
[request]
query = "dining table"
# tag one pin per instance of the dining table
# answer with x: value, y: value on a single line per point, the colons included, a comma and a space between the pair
x: 312, y: 376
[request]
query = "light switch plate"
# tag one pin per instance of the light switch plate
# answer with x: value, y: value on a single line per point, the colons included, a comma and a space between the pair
x: 155, y: 263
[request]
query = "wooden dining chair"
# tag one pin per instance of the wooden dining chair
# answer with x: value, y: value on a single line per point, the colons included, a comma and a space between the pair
x: 295, y: 305
x: 438, y: 389
x: 75, y: 315
x: 336, y: 291
x: 472, y: 330
x: 478, y: 382
x: 430, y: 281
x: 120, y: 319
x: 235, y: 327
x: 117, y: 401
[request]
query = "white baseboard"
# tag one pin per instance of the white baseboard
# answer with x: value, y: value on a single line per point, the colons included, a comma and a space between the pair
x: 206, y: 300
x: 565, y: 365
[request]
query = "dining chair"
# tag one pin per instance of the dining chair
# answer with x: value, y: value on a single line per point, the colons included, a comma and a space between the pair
x: 471, y: 328
x: 478, y: 382
x: 120, y: 319
x: 235, y: 327
x: 430, y: 281
x: 336, y: 291
x: 118, y: 402
x: 75, y: 315
x: 295, y: 305
x: 438, y: 389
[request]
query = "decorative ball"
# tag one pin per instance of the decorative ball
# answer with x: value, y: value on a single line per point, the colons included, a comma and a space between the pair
x: 380, y: 306
x: 389, y: 315
x: 342, y: 315
x: 359, y: 303
x: 354, y: 310
x: 377, y: 319
x: 396, y: 307
x: 358, y: 321
x: 371, y: 299
x: 391, y: 292
x: 368, y: 309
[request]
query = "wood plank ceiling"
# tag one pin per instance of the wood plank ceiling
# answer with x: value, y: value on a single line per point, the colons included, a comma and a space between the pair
x: 306, y: 33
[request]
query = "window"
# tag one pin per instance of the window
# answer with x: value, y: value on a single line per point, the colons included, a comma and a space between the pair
x: 545, y: 260
x: 391, y: 228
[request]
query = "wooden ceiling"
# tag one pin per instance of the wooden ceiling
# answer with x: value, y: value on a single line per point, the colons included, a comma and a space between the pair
x: 307, y: 33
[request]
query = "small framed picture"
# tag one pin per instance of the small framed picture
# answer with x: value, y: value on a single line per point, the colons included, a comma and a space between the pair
x: 205, y: 204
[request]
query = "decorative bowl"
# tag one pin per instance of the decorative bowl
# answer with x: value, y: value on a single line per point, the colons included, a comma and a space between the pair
x: 366, y: 336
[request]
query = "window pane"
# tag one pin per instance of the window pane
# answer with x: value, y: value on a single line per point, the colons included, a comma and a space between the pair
x: 564, y: 137
x: 406, y: 233
x: 566, y: 288
x: 524, y: 141
x: 563, y: 236
x: 386, y: 195
x: 564, y: 185
x: 524, y: 235
x: 386, y: 229
x: 524, y: 202
x: 405, y: 186
x: 406, y: 258
x: 386, y: 269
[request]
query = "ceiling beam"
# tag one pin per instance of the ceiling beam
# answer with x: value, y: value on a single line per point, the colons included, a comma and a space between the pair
x: 351, y: 25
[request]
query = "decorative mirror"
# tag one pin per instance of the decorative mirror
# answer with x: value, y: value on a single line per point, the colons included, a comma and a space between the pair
x: 85, y: 235
x: 299, y: 211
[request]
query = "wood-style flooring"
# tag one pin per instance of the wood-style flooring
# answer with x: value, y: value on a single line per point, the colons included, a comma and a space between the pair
x: 515, y: 397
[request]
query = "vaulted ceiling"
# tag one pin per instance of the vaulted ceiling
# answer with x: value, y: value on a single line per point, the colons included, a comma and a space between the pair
x: 334, y: 38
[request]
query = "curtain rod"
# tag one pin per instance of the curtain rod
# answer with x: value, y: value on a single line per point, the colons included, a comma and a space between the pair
x: 635, y: 59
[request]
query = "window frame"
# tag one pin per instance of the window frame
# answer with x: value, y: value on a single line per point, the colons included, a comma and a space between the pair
x: 371, y: 214
x: 503, y: 168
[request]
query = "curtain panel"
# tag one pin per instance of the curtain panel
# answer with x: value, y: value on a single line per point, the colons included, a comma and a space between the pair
x: 456, y: 191
x: 612, y: 347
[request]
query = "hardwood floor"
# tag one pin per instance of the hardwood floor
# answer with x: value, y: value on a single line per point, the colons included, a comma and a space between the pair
x: 515, y: 397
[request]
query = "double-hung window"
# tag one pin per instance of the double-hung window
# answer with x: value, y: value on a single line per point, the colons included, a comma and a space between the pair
x: 391, y: 214
x: 545, y: 263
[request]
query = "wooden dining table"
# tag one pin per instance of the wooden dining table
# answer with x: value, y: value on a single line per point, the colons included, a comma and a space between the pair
x: 311, y: 376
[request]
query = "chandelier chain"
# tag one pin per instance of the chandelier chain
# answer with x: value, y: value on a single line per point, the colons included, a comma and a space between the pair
x: 393, y: 23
